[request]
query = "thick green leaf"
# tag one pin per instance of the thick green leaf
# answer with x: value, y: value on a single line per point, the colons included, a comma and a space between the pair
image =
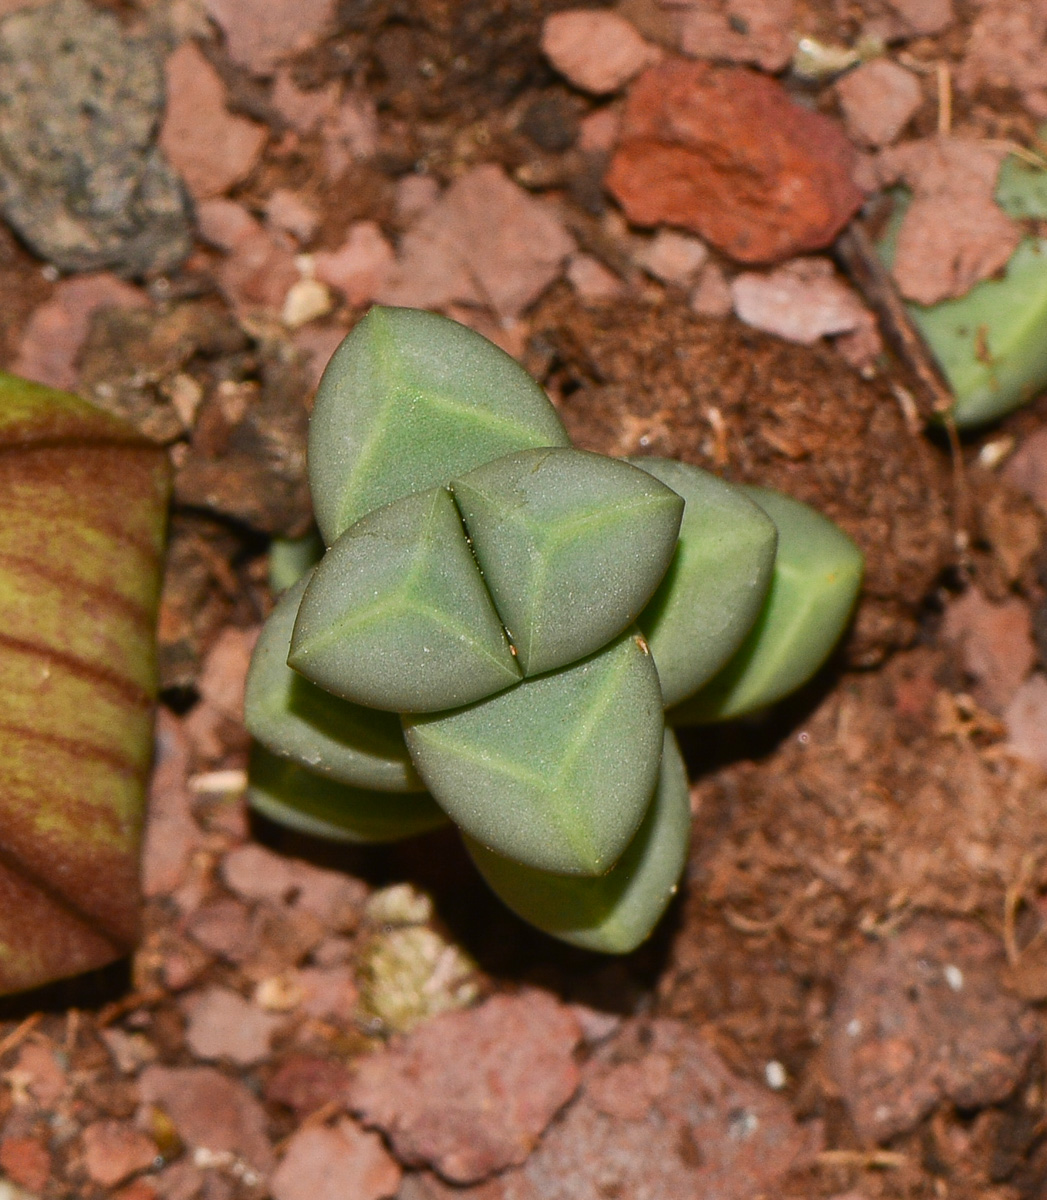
x: 991, y: 343
x: 1021, y: 187
x: 290, y: 795
x: 396, y: 615
x: 572, y: 546
x: 716, y: 584
x: 557, y: 772
x: 295, y: 719
x: 817, y: 575
x: 291, y: 558
x: 617, y: 911
x: 83, y: 500
x: 408, y: 400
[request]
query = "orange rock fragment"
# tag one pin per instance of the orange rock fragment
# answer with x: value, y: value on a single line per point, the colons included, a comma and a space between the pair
x: 725, y: 153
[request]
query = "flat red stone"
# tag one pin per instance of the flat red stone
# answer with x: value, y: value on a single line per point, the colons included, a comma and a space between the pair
x: 724, y: 152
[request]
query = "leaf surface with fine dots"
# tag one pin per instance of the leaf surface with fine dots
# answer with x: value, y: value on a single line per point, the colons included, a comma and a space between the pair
x: 295, y: 719
x: 612, y: 913
x: 716, y: 583
x: 571, y: 544
x: 396, y: 615
x: 556, y: 772
x: 816, y: 579
x: 407, y: 401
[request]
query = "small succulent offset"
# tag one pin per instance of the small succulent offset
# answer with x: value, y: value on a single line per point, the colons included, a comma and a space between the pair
x: 991, y: 343
x: 499, y: 622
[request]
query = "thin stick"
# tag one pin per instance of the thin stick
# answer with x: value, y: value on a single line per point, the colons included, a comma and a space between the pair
x: 20, y: 1033
x: 943, y: 76
x: 858, y: 257
x: 119, y: 1008
x: 860, y: 1158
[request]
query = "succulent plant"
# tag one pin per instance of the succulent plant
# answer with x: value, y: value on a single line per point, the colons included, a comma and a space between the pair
x: 991, y: 344
x: 499, y: 621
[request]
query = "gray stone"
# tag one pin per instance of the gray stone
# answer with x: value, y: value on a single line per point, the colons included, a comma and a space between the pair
x: 81, y: 178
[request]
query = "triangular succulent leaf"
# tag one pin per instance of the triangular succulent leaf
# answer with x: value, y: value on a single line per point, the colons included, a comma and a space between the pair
x: 617, y: 911
x: 572, y: 546
x: 396, y: 615
x: 556, y: 772
x: 295, y: 719
x: 817, y: 576
x: 716, y: 583
x: 407, y: 401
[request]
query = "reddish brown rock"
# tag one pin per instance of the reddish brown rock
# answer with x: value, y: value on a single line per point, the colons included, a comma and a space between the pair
x: 222, y: 926
x: 223, y: 1025
x: 223, y: 677
x: 260, y: 32
x: 742, y: 31
x: 1026, y: 720
x: 953, y: 233
x: 673, y: 258
x: 208, y: 145
x: 256, y: 873
x: 26, y: 1161
x: 56, y: 331
x: 800, y: 301
x: 328, y: 993
x: 287, y: 210
x: 485, y: 242
x: 995, y: 643
x: 598, y: 132
x: 360, y: 265
x: 469, y: 1093
x: 926, y: 16
x: 114, y: 1151
x: 40, y: 1072
x: 921, y: 1017
x: 332, y: 1164
x: 1027, y: 469
x: 659, y: 1115
x: 306, y: 1082
x: 171, y: 833
x: 259, y: 270
x: 210, y: 1111
x: 592, y: 280
x: 879, y: 99
x: 725, y: 153
x: 711, y: 295
x: 596, y: 50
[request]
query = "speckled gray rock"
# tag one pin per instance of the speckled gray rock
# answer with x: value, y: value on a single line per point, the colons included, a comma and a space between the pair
x: 81, y: 178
